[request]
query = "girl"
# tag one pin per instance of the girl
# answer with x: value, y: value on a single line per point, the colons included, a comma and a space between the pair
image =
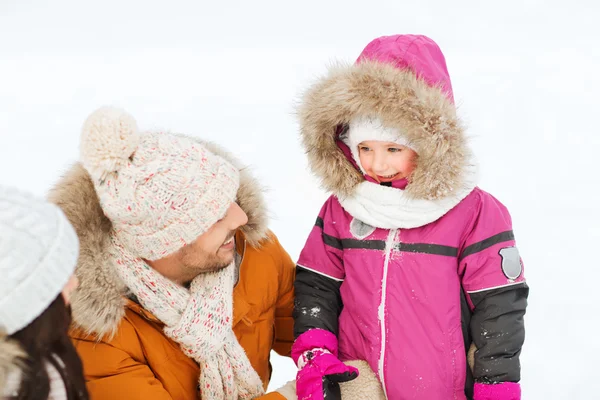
x: 38, y: 252
x: 409, y: 263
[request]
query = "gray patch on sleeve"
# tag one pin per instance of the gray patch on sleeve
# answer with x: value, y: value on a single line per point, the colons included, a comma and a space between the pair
x: 511, y: 262
x: 359, y: 229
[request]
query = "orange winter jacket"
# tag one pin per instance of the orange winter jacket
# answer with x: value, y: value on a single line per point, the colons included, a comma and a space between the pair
x: 140, y: 362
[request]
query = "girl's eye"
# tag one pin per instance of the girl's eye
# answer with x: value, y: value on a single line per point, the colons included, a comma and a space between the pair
x: 394, y: 150
x: 364, y: 148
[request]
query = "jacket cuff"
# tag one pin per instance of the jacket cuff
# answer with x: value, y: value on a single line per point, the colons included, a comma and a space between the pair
x: 498, y: 391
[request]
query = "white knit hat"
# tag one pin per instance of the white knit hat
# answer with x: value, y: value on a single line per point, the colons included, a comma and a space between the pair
x: 160, y: 191
x: 38, y: 253
x: 361, y: 129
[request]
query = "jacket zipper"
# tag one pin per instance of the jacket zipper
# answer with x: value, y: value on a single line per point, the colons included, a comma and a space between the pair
x: 389, y: 247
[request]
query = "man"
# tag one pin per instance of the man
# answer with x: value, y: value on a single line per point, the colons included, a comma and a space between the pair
x: 169, y: 233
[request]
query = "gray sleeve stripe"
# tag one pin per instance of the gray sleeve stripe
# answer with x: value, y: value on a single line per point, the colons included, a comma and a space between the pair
x: 319, y: 222
x: 487, y: 243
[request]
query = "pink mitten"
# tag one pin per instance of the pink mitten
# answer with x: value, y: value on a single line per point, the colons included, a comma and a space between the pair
x: 498, y: 391
x: 319, y: 370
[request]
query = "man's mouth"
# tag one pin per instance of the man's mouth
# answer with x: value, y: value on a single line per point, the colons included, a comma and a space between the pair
x: 228, y: 242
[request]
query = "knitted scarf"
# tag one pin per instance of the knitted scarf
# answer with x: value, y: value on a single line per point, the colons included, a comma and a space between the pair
x: 199, y: 320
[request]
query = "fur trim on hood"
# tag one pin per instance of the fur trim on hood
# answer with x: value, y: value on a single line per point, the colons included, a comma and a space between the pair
x: 423, y: 113
x: 10, y: 355
x: 98, y: 305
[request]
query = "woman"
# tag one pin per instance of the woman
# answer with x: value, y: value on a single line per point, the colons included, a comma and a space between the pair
x: 38, y: 253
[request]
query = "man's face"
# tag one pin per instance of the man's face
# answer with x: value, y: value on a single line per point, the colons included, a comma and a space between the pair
x: 211, y: 251
x: 214, y: 249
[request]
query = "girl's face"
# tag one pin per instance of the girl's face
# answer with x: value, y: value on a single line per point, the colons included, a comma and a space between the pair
x: 386, y: 161
x: 70, y: 288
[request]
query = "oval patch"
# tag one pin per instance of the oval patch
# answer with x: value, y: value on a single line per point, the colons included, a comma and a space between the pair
x: 511, y: 262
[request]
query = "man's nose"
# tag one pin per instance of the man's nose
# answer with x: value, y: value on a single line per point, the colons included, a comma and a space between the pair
x: 238, y: 216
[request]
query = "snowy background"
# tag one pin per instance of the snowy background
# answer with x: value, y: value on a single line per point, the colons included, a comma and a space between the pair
x: 525, y: 75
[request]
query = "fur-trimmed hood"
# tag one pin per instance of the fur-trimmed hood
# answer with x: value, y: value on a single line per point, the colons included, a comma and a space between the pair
x: 98, y: 305
x: 403, y: 81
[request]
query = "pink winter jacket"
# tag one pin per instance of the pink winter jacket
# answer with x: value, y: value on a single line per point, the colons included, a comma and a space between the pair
x: 409, y: 276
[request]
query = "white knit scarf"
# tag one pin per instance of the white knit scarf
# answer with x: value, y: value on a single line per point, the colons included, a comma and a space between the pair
x: 391, y: 208
x: 200, y: 320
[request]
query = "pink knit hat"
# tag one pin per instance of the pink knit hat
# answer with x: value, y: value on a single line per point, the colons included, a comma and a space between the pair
x: 160, y: 191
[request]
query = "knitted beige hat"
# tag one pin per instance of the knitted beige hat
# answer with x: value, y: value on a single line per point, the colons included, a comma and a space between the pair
x: 160, y: 191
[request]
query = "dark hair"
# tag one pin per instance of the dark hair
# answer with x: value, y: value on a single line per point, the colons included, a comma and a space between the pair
x: 46, y: 341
